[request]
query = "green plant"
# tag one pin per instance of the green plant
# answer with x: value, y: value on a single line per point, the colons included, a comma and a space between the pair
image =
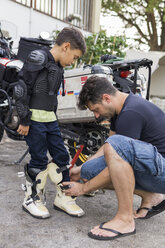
x: 147, y: 17
x: 100, y: 44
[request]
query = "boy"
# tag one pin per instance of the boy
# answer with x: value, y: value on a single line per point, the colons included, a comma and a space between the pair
x: 36, y: 102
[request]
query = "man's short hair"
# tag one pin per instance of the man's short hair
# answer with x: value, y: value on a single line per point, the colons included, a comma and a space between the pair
x: 74, y: 36
x: 93, y: 91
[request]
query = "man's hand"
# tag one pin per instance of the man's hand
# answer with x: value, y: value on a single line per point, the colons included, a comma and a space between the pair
x: 75, y: 173
x: 75, y: 189
x: 23, y: 130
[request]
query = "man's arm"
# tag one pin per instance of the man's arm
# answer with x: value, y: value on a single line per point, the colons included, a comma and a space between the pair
x: 76, y: 189
x: 75, y: 171
x: 111, y: 133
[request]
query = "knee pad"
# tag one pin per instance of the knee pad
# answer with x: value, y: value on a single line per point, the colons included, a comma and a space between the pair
x: 36, y: 176
x: 54, y: 176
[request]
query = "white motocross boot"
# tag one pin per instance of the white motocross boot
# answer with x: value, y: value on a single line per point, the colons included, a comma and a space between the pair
x: 34, y: 201
x: 67, y: 204
x: 62, y: 202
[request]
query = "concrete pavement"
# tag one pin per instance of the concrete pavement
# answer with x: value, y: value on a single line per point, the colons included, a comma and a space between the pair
x: 20, y: 230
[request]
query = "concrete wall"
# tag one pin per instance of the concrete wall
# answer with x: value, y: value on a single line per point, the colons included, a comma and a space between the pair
x: 26, y: 21
x: 158, y: 69
x: 158, y: 79
x: 96, y: 16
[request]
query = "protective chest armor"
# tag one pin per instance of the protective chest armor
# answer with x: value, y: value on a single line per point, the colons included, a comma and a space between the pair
x: 47, y: 83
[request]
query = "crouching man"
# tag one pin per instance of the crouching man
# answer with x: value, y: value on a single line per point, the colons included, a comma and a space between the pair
x: 132, y: 160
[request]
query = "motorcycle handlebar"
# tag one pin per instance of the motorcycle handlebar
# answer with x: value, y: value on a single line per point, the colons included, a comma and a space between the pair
x: 130, y: 64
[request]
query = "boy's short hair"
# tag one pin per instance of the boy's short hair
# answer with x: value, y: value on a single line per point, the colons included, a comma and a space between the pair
x: 74, y: 36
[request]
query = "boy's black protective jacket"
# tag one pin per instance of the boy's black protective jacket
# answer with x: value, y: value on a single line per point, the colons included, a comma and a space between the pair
x: 43, y: 77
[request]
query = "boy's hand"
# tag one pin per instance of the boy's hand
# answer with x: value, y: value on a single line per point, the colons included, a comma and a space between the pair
x: 23, y: 130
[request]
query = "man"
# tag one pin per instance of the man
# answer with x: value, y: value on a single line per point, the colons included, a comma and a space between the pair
x: 132, y: 160
x: 42, y: 75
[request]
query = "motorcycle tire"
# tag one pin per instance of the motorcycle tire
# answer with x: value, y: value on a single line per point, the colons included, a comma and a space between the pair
x: 1, y: 132
x: 99, y: 134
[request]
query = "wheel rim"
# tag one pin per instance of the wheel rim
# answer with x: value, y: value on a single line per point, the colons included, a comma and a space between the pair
x: 98, y: 137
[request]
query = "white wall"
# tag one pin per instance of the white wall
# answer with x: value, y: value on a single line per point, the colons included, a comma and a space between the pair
x: 96, y: 16
x: 158, y: 79
x: 28, y: 22
x: 158, y: 71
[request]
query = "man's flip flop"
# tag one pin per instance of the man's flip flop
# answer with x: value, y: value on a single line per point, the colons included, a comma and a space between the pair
x: 118, y: 234
x: 153, y: 211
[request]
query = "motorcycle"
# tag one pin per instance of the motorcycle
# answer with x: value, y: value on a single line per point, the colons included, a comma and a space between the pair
x: 126, y: 74
x: 9, y: 67
x: 82, y: 133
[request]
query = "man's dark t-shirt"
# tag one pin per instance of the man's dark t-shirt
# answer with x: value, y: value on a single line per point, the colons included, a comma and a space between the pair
x: 142, y: 120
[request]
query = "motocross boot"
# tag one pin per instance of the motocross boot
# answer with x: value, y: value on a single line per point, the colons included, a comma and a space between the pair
x: 34, y: 201
x: 62, y: 202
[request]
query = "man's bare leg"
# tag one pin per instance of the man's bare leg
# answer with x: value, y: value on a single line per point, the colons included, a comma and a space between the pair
x: 149, y: 200
x: 123, y: 180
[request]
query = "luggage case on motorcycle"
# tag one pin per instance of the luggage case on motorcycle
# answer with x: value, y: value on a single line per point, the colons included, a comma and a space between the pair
x: 68, y: 111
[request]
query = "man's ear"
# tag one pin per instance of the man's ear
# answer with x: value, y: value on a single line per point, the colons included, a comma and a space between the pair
x: 65, y: 46
x: 107, y: 98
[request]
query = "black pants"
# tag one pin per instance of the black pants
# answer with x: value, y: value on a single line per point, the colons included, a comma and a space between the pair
x: 44, y: 137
